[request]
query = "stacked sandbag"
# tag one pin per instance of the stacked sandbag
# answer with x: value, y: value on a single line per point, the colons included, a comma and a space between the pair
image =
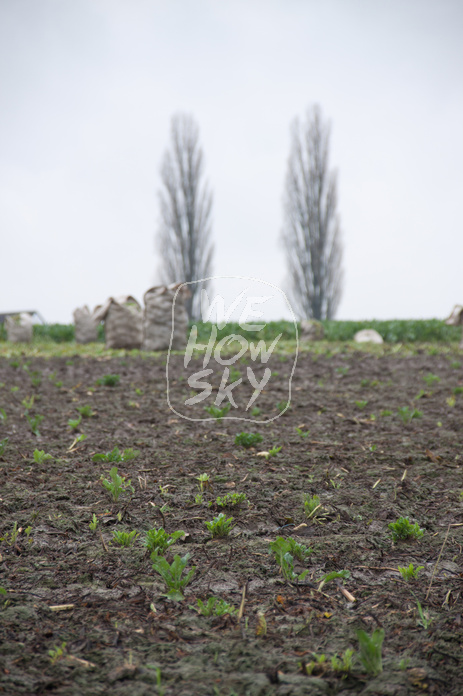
x: 85, y: 325
x: 157, y: 318
x: 123, y: 322
x: 311, y: 330
x: 19, y: 328
x: 456, y: 319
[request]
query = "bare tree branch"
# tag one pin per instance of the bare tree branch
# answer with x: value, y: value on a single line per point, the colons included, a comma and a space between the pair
x: 184, y: 233
x: 311, y: 233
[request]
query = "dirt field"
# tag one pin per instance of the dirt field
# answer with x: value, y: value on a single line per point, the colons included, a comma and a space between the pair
x: 348, y: 438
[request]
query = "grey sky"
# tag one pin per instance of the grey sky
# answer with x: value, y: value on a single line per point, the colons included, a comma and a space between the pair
x: 88, y: 88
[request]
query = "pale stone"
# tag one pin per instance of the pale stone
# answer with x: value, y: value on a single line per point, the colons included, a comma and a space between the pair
x: 368, y: 336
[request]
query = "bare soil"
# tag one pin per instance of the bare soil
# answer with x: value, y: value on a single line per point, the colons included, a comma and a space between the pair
x: 341, y: 439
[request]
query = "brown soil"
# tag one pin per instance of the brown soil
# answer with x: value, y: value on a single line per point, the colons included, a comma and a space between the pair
x: 368, y: 468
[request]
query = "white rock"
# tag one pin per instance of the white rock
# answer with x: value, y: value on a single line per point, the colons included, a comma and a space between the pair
x: 368, y: 336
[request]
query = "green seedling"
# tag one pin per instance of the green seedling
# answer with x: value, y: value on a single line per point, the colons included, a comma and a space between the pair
x: 421, y: 394
x: 407, y: 414
x: 410, y: 573
x: 283, y: 545
x: 272, y: 452
x: 172, y: 575
x: 157, y: 541
x: 371, y: 651
x: 116, y: 456
x: 40, y: 456
x: 430, y: 379
x: 234, y: 374
x: 450, y: 401
x: 385, y: 414
x: 214, y: 606
x: 125, y: 538
x: 283, y: 406
x: 28, y: 402
x: 311, y: 505
x: 34, y: 422
x: 13, y: 390
x: 303, y: 433
x: 334, y: 575
x: 139, y: 392
x: 36, y: 379
x: 342, y: 371
x: 3, y: 444
x: 74, y: 422
x: 10, y: 538
x: 458, y: 390
x: 204, y: 482
x: 316, y: 666
x: 57, y: 652
x: 248, y: 439
x: 220, y: 526
x: 94, y: 523
x: 3, y: 416
x: 199, y: 499
x: 86, y: 411
x: 361, y: 404
x: 403, y: 529
x: 344, y: 664
x: 424, y: 620
x: 217, y: 413
x: 117, y: 485
x: 255, y: 412
x: 108, y: 380
x: 231, y: 499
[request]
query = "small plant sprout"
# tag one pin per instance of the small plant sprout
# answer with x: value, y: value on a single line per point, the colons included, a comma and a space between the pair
x: 217, y: 413
x: 361, y: 404
x: 403, y: 529
x: 255, y: 412
x: 425, y: 619
x: 40, y: 456
x: 220, y: 526
x: 345, y: 663
x: 57, y: 652
x: 34, y: 422
x: 231, y: 499
x: 94, y: 523
x: 28, y: 402
x: 271, y: 453
x: 214, y: 607
x: 3, y: 416
x: 74, y: 423
x: 283, y: 545
x: 172, y: 575
x: 3, y: 444
x: 334, y: 575
x: 117, y: 485
x: 342, y: 371
x: 311, y: 505
x: 281, y: 550
x: 410, y: 572
x: 86, y: 411
x: 204, y: 482
x: 430, y: 379
x: 116, y: 455
x: 316, y: 666
x: 407, y: 414
x: 11, y: 537
x: 125, y: 538
x: 77, y: 439
x: 157, y: 541
x: 108, y: 380
x: 283, y: 406
x: 371, y: 651
x: 248, y: 439
x: 303, y: 433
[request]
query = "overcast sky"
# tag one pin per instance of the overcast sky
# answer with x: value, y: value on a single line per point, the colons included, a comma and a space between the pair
x: 88, y: 89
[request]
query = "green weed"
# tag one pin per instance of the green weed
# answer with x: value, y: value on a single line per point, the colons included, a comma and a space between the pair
x: 116, y: 456
x: 361, y: 404
x: 311, y: 504
x: 172, y: 575
x: 303, y: 433
x: 86, y: 411
x: 220, y: 526
x: 74, y: 423
x: 410, y: 572
x: 158, y: 541
x: 108, y: 380
x: 125, y: 538
x: 57, y: 652
x: 248, y: 439
x: 344, y: 664
x: 3, y: 444
x: 40, y: 456
x: 283, y: 545
x: 34, y: 422
x: 214, y: 606
x: 403, y: 529
x: 94, y: 523
x: 231, y: 499
x: 117, y: 485
x: 217, y: 413
x: 425, y: 619
x: 407, y: 414
x: 430, y: 379
x: 371, y: 651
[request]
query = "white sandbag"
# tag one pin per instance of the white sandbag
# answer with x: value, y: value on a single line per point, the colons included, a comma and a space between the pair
x: 123, y: 322
x: 157, y: 317
x: 85, y: 325
x: 456, y: 319
x: 19, y: 328
x: 368, y: 336
x: 311, y: 330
